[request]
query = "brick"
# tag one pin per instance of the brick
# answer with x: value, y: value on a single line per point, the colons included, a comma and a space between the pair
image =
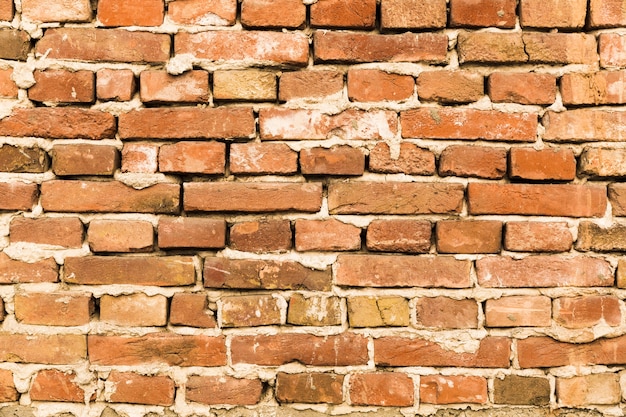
x: 6, y: 10
x: 378, y: 85
x: 251, y: 310
x: 260, y: 274
x: 161, y: 87
x: 450, y: 86
x: 256, y: 158
x: 309, y: 388
x: 491, y: 47
x: 473, y: 161
x: 413, y: 14
x: 412, y: 160
x: 326, y: 235
x: 273, y: 350
x: 187, y: 123
x: 252, y: 197
x: 107, y: 270
x: 537, y: 199
x: 397, y: 271
x: 132, y: 388
x: 56, y: 10
x: 62, y: 86
x: 394, y: 198
x: 134, y: 310
x: 603, y: 162
x: 7, y: 386
x: 59, y: 123
x: 468, y: 124
x: 388, y: 389
x: 54, y: 309
x: 559, y: 14
x: 201, y: 12
x: 115, y: 85
x: 14, y: 271
x: 309, y: 84
x: 191, y: 232
x: 289, y: 14
x: 59, y: 231
x: 412, y: 236
x: 522, y: 87
x: 114, y: 45
x: 469, y: 236
x: 545, y: 352
x: 560, y: 48
x: 520, y: 390
x: 604, y: 87
x: 606, y: 13
x: 249, y: 85
x: 446, y: 313
x: 288, y: 124
x: 337, y: 160
x: 314, y: 311
x: 543, y: 271
x: 55, y: 385
x: 14, y: 44
x: 120, y: 236
x: 617, y: 197
x: 113, y: 196
x: 157, y: 349
x: 388, y: 311
x: 135, y: 13
x: 601, y: 239
x: 483, y: 13
x: 537, y: 237
x: 584, y: 125
x: 587, y: 311
x: 53, y: 349
x: 276, y: 48
x: 140, y: 157
x: 193, y: 157
x: 84, y: 159
x: 191, y: 309
x: 588, y: 389
x: 261, y: 236
x: 365, y: 47
x: 612, y: 50
x: 519, y: 311
x: 8, y: 88
x: 18, y: 196
x: 558, y: 164
x: 343, y: 14
x: 223, y: 389
x: 438, y: 389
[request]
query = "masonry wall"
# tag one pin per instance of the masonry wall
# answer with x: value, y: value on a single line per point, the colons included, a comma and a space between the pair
x: 303, y: 208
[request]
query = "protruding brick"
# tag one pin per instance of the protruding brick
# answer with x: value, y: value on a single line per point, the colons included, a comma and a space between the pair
x: 606, y: 13
x: 605, y: 87
x: 140, y: 157
x: 413, y: 14
x: 53, y: 309
x: 223, y: 389
x: 469, y: 236
x: 537, y: 237
x: 59, y: 231
x: 132, y: 388
x: 52, y: 349
x: 378, y: 311
x: 311, y: 85
x: 14, y: 44
x: 6, y: 14
x: 191, y: 232
x: 134, y: 310
x: 412, y: 160
x: 473, y: 161
x: 557, y: 164
x: 450, y: 86
x: 603, y: 162
x: 377, y: 85
x: 203, y: 13
x: 483, y: 13
x: 131, y: 13
x: 193, y: 157
x: 8, y: 88
x: 312, y: 388
x: 84, y: 159
x: 438, y: 389
x: 250, y: 310
x: 62, y: 86
x: 545, y: 352
x: 559, y: 14
x: 261, y: 236
x: 314, y: 311
x: 191, y: 309
x: 584, y: 390
x: 389, y: 389
x: 161, y: 87
x: 411, y: 236
x: 56, y: 10
x: 518, y: 311
x: 289, y: 14
x: 337, y: 160
x: 522, y: 87
x: 521, y: 390
x: 17, y: 195
x: 262, y: 158
x: 55, y: 385
x: 326, y: 235
x: 120, y: 236
x: 115, y: 85
x: 612, y: 49
x: 14, y: 271
x: 587, y: 311
x: 59, y: 123
x: 583, y: 125
x: 446, y: 313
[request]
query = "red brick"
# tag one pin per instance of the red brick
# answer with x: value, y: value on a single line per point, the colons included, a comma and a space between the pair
x: 491, y: 47
x: 273, y: 350
x: 587, y: 311
x: 365, y: 47
x: 310, y: 84
x: 397, y: 271
x: 161, y: 87
x: 612, y: 49
x: 468, y: 124
x: 560, y: 48
x: 13, y: 271
x: 519, y: 311
x: 413, y: 14
x: 617, y: 196
x: 187, y: 123
x: 606, y: 13
x: 53, y: 309
x: 116, y: 85
x: 378, y: 85
x: 127, y: 13
x: 157, y: 349
x: 191, y: 309
x: 473, y: 161
x: 53, y: 349
x: 262, y: 158
x: 559, y: 14
x: 244, y: 85
x: 8, y: 89
x: 446, y: 313
x: 538, y: 237
x: 394, y: 198
x: 84, y: 159
x: 250, y: 310
x: 113, y: 196
x: 23, y: 159
x: 59, y: 123
x: 273, y: 13
x: 56, y: 10
x: 261, y: 236
x: 115, y: 45
x: 55, y: 385
x: 201, y: 12
x: 314, y: 310
x: 543, y: 271
x: 14, y: 44
x: 438, y: 389
x: 128, y: 387
x: 17, y: 196
x: 483, y: 13
x: 280, y: 123
x: 537, y: 199
x: 605, y: 87
x: 190, y: 232
x: 58, y: 231
x: 6, y: 10
x: 588, y: 389
x: 136, y: 309
x: 522, y: 87
x: 280, y: 48
x: 412, y: 160
x: 344, y: 14
x: 260, y: 274
x: 106, y: 270
x: 222, y: 389
x: 309, y: 388
x: 7, y: 386
x: 603, y: 162
x: 326, y: 235
x: 546, y: 164
x: 383, y: 388
x: 252, y: 197
x: 545, y: 352
x: 62, y: 86
x: 584, y: 125
x: 450, y: 86
x: 120, y: 236
x: 337, y: 160
x: 493, y: 352
x: 140, y: 157
x: 411, y: 236
x: 193, y: 157
x: 469, y: 236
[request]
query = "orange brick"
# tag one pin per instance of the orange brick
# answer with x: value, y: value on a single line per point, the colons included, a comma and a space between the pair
x: 606, y: 13
x: 6, y: 10
x: 53, y: 349
x: 135, y: 13
x: 115, y: 85
x: 140, y: 157
x: 262, y: 158
x: 7, y: 386
x: 546, y: 164
x: 59, y: 123
x: 326, y: 235
x: 250, y: 310
x: 13, y: 271
x: 8, y: 88
x: 193, y: 157
x: 560, y: 48
x: 450, y: 86
x: 311, y: 388
x: 203, y: 13
x: 473, y: 161
x: 587, y: 311
x: 523, y: 88
x: 538, y: 237
x: 120, y: 236
x: 413, y: 14
x: 446, y: 313
x: 84, y: 159
x: 55, y: 385
x: 344, y: 14
x: 18, y: 196
x: 519, y: 311
x: 128, y: 387
x: 559, y: 14
x: 412, y: 160
x: 134, y: 310
x: 223, y: 389
x: 309, y: 84
x: 161, y: 87
x: 56, y: 10
x: 377, y: 85
x: 54, y: 309
x: 337, y: 160
x: 583, y: 125
x: 612, y: 48
x: 483, y: 13
x: 191, y: 232
x: 545, y: 352
x: 62, y: 86
x: 58, y: 231
x: 191, y: 309
x: 605, y: 87
x: 411, y: 236
x: 469, y: 236
x: 261, y: 236
x: 437, y: 389
x: 588, y: 389
x: 273, y: 13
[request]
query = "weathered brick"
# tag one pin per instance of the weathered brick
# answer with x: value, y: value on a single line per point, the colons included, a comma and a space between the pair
x: 161, y: 87
x: 473, y: 161
x: 17, y: 196
x: 6, y: 10
x: 560, y: 48
x: 193, y: 157
x: 413, y: 14
x: 309, y: 84
x: 378, y: 311
x: 314, y: 311
x: 261, y: 236
x: 58, y: 231
x: 446, y: 313
x: 518, y: 311
x: 411, y: 236
x: 412, y: 160
x: 587, y: 311
x: 483, y: 13
x: 450, y: 86
x: 378, y: 85
x: 14, y: 271
x: 612, y: 49
x: 132, y: 388
x: 584, y: 125
x: 469, y: 236
x: 559, y: 14
x: 14, y: 44
x: 56, y: 10
x: 120, y: 236
x: 7, y: 386
x: 250, y: 310
x: 604, y: 87
x: 59, y: 123
x: 262, y: 158
x: 8, y: 88
x: 603, y: 162
x: 116, y: 85
x: 136, y: 309
x: 343, y: 14
x: 53, y: 309
x: 337, y: 160
x: 521, y: 390
x: 191, y: 309
x: 491, y: 47
x: 141, y: 157
x: 522, y: 87
x: 309, y: 388
x: 55, y: 385
x: 127, y: 13
x: 203, y: 13
x: 389, y: 389
x: 273, y: 13
x: 249, y: 85
x: 84, y: 159
x: 438, y: 389
x: 606, y: 13
x: 191, y: 232
x: 223, y: 389
x: 546, y: 164
x: 326, y: 235
x: 588, y: 389
x: 62, y: 86
x: 545, y: 352
x: 617, y: 197
x: 53, y: 349
x: 601, y: 239
x: 537, y: 237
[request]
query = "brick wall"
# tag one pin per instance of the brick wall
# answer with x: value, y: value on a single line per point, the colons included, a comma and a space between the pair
x: 300, y: 208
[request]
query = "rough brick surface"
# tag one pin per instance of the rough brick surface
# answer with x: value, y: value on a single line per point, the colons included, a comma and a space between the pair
x: 22, y: 159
